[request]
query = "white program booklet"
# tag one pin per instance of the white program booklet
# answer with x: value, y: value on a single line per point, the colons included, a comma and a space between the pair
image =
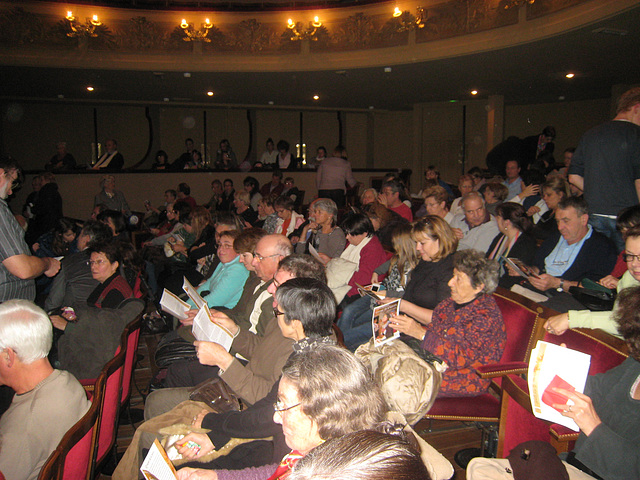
x: 551, y: 366
x: 173, y: 305
x: 156, y: 465
x: 205, y: 329
x: 192, y: 293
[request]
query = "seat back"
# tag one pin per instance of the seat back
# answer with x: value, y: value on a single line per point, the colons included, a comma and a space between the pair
x: 129, y: 343
x: 522, y: 319
x: 73, y: 457
x: 106, y: 433
x: 606, y: 350
x: 517, y: 422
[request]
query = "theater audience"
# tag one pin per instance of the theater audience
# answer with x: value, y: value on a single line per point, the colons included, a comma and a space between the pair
x: 47, y: 401
x: 465, y: 185
x: 432, y: 174
x: 384, y: 222
x: 275, y: 187
x: 62, y: 160
x: 111, y: 160
x: 370, y: 195
x: 74, y: 283
x: 116, y: 221
x: 435, y: 203
x: 228, y: 195
x: 554, y: 191
x: 243, y: 209
x: 184, y: 195
x: 289, y: 219
x: 390, y: 196
x: 364, y: 249
x: 252, y: 187
x: 46, y: 211
x: 607, y: 414
x: 267, y: 216
x: 465, y: 330
x: 322, y: 231
x: 224, y: 287
x: 332, y: 175
x: 266, y: 353
x: 162, y: 161
x: 558, y: 324
x: 110, y: 197
x: 59, y: 242
x: 495, y: 194
x: 575, y: 252
x: 314, y: 404
x: 514, y: 239
x: 355, y: 321
x: 476, y: 228
x: 363, y: 455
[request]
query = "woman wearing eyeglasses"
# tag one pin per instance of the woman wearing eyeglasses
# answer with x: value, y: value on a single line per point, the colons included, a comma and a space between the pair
x: 558, y: 324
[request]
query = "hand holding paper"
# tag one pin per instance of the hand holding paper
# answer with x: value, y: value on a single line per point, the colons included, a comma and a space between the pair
x: 213, y: 354
x: 582, y: 411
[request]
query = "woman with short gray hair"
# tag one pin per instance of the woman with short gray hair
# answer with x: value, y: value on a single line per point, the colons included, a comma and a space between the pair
x: 466, y: 330
x: 326, y: 237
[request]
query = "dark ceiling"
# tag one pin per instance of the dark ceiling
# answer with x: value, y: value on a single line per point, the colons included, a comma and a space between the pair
x: 529, y: 73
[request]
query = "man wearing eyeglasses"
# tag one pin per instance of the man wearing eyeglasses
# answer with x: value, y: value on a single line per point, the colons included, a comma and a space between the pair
x: 19, y: 267
x: 575, y: 253
x: 558, y: 324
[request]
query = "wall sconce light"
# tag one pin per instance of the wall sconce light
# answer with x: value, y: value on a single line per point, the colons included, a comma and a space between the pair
x: 407, y: 21
x: 193, y: 35
x: 517, y: 3
x: 87, y: 29
x: 300, y: 32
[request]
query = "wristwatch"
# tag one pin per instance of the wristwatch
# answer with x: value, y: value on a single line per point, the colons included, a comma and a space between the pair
x: 561, y: 287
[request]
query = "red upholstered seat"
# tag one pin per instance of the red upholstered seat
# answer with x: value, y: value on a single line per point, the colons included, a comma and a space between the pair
x: 518, y: 424
x: 71, y: 460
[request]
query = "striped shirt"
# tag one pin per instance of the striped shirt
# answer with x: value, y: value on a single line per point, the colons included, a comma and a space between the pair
x: 12, y: 243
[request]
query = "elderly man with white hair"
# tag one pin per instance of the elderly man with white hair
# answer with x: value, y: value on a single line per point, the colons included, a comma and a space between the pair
x: 47, y: 402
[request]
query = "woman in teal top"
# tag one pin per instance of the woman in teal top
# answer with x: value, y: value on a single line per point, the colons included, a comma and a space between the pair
x: 224, y: 287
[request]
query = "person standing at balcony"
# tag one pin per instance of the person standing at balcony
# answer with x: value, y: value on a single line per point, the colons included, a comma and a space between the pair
x: 332, y: 175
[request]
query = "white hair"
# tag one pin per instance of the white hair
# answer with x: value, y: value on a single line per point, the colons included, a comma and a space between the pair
x: 26, y: 329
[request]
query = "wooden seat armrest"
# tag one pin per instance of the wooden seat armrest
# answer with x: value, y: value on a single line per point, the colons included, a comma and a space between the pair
x: 501, y: 369
x: 562, y: 438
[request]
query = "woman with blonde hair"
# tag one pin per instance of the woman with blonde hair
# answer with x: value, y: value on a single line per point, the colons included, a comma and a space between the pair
x: 355, y: 321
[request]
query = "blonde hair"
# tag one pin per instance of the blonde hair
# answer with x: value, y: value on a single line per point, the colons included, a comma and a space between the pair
x: 436, y: 228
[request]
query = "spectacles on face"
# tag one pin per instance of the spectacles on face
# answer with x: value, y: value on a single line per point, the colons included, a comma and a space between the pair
x: 260, y: 258
x: 15, y: 181
x: 628, y: 257
x: 100, y: 262
x: 280, y: 408
x: 276, y: 312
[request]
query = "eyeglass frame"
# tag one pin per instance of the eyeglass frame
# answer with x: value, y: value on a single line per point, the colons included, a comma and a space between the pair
x: 260, y: 258
x: 628, y: 257
x: 279, y: 407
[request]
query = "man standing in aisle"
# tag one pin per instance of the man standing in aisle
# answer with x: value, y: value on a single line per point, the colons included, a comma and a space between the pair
x: 606, y: 166
x: 18, y: 267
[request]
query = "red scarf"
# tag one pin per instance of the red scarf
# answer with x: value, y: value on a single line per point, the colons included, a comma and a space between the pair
x: 286, y: 465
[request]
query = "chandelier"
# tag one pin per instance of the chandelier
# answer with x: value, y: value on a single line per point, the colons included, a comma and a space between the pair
x: 300, y: 32
x: 83, y: 30
x: 409, y: 21
x: 196, y: 35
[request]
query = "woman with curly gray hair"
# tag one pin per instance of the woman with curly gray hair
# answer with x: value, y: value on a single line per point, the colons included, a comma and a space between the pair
x: 466, y: 330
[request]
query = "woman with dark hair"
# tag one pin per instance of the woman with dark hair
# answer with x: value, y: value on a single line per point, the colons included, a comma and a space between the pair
x: 355, y: 321
x: 105, y: 267
x: 384, y: 222
x: 162, y: 161
x: 554, y: 191
x: 465, y: 330
x: 628, y: 219
x: 59, y: 242
x: 607, y: 413
x: 117, y: 222
x: 267, y: 216
x: 494, y: 194
x: 289, y: 218
x: 364, y: 249
x: 514, y: 239
x: 252, y: 187
x: 284, y: 158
